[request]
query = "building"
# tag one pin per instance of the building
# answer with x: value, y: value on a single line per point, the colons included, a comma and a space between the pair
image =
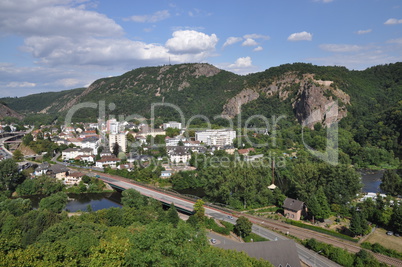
x: 179, y: 154
x: 281, y: 253
x: 174, y: 141
x: 110, y: 161
x: 120, y: 139
x: 294, y: 209
x: 73, y: 178
x: 112, y: 126
x: 172, y: 124
x: 72, y: 153
x: 218, y: 137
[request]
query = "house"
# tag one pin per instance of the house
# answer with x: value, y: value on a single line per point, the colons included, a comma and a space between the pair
x: 58, y: 171
x: 245, y: 151
x: 72, y: 153
x: 109, y: 161
x: 178, y: 154
x: 73, y: 178
x: 294, y: 209
x: 42, y: 169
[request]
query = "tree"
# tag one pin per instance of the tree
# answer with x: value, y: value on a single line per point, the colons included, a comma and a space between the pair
x: 318, y: 205
x: 243, y: 226
x: 391, y: 183
x: 133, y: 199
x: 173, y: 216
x: 396, y: 219
x: 55, y: 203
x: 199, y: 210
x: 17, y: 155
x: 10, y: 177
x: 27, y: 139
x: 116, y: 149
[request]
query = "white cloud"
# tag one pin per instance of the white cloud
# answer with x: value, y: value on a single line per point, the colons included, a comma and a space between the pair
x: 33, y: 19
x: 364, y: 31
x: 191, y: 42
x: 249, y: 42
x: 395, y: 41
x: 258, y: 48
x: 242, y: 62
x: 232, y: 40
x: 340, y: 48
x: 242, y: 66
x: 393, y: 21
x: 300, y: 36
x: 256, y: 36
x: 20, y: 84
x: 157, y: 16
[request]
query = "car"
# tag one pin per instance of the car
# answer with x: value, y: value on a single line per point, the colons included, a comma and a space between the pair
x: 213, y: 240
x: 230, y: 217
x: 390, y: 233
x: 396, y: 234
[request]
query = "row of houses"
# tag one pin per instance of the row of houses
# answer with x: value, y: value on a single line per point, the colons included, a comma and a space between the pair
x: 60, y: 172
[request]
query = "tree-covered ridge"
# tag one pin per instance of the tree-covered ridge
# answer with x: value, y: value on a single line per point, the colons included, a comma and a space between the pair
x: 54, y: 101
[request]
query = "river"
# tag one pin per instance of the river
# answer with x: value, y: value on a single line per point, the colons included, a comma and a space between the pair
x: 80, y: 202
x: 371, y: 181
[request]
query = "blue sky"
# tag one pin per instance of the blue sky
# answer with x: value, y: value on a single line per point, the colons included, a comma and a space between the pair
x: 54, y: 45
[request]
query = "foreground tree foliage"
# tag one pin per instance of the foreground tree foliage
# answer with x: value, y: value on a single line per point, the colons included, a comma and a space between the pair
x: 139, y: 234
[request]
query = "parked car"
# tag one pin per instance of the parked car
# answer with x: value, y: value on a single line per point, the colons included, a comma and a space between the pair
x: 213, y: 240
x: 230, y: 217
x: 396, y: 234
x: 390, y: 233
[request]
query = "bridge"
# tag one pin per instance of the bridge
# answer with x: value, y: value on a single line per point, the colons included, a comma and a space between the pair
x: 185, y: 205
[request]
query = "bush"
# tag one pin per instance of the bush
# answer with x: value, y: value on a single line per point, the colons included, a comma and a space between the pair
x: 211, y: 224
x: 377, y: 248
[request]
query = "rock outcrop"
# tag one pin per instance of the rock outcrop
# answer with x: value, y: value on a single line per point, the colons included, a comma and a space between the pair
x: 313, y: 101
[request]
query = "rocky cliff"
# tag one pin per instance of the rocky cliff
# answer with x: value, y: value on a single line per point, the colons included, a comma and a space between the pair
x: 313, y: 101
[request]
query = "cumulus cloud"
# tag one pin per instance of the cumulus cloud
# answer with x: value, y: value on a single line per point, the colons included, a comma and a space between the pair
x: 300, y: 36
x: 232, y: 40
x: 242, y: 62
x: 34, y: 18
x: 242, y: 65
x: 249, y: 42
x: 191, y: 42
x: 256, y: 36
x: 363, y: 31
x: 393, y: 21
x: 340, y: 48
x: 157, y: 16
x: 258, y: 48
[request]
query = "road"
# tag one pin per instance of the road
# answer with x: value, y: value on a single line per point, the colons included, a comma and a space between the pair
x: 308, y: 256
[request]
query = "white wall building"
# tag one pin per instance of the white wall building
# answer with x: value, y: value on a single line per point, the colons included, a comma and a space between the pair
x: 172, y: 124
x: 218, y: 137
x: 120, y: 139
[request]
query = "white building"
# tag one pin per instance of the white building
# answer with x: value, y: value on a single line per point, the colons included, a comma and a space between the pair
x: 112, y: 126
x: 172, y: 124
x: 174, y: 141
x: 218, y: 137
x: 72, y: 153
x: 120, y: 139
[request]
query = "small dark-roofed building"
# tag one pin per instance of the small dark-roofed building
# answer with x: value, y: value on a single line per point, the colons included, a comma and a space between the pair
x: 294, y: 209
x: 279, y: 253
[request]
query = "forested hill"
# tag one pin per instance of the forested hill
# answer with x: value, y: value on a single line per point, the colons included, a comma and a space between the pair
x: 369, y: 101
